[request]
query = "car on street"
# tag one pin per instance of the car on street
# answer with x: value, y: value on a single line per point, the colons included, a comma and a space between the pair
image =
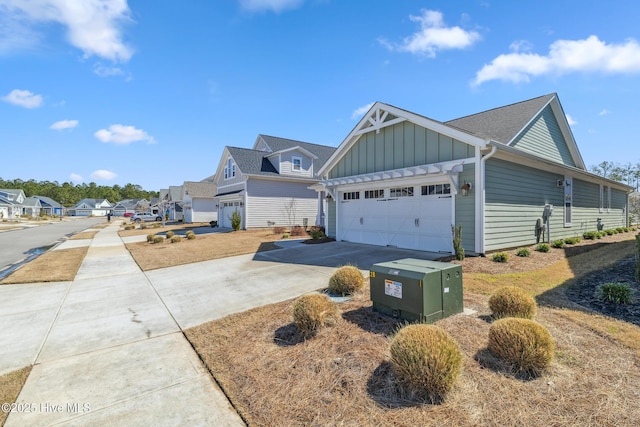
x: 128, y: 214
x: 146, y: 217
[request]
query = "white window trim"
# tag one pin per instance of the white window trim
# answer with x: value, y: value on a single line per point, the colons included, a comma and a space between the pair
x: 230, y: 169
x: 293, y: 164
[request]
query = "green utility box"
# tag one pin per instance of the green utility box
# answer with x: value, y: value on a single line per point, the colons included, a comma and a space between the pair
x: 417, y: 290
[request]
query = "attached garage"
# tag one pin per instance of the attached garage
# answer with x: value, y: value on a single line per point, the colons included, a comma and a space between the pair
x: 226, y: 210
x: 410, y: 216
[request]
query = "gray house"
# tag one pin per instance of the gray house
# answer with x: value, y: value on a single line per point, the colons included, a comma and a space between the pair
x: 91, y: 207
x: 510, y: 176
x: 49, y: 206
x: 12, y: 203
x: 269, y: 184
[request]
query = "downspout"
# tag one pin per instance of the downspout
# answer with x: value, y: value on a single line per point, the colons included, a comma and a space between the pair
x: 483, y: 161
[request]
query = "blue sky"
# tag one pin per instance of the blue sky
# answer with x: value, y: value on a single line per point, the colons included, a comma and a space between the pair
x: 150, y: 92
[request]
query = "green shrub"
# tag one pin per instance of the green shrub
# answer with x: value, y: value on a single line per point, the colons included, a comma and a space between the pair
x: 311, y: 312
x: 158, y: 239
x: 620, y: 229
x: 523, y: 252
x: 524, y: 344
x: 590, y: 235
x: 512, y: 301
x: 625, y: 229
x: 175, y: 239
x: 610, y: 232
x: 617, y: 293
x: 156, y: 225
x: 572, y: 240
x: 129, y: 227
x: 170, y: 234
x: 150, y: 238
x: 543, y: 247
x: 500, y: 257
x: 426, y: 361
x: 317, y: 234
x: 346, y: 280
x: 143, y: 226
x: 190, y: 235
x: 285, y: 236
x: 457, y: 242
x: 236, y: 220
x: 558, y: 244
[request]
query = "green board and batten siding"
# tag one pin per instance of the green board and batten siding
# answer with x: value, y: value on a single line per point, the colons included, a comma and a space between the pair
x: 544, y: 138
x: 515, y: 199
x: 465, y: 210
x: 399, y: 146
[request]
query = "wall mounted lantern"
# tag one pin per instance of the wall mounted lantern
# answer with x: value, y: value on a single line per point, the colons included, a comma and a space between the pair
x: 466, y: 187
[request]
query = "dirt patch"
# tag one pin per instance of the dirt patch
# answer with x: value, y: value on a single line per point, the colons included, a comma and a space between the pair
x: 10, y: 386
x: 53, y: 266
x: 84, y: 235
x: 205, y: 247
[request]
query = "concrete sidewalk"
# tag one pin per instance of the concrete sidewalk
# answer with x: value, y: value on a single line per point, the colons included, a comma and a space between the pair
x: 106, y: 350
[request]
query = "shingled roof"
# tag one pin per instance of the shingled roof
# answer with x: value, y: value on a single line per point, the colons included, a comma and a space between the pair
x: 199, y: 189
x: 502, y: 124
x: 323, y: 152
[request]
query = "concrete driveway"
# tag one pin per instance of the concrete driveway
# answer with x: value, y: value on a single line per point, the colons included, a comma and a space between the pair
x: 198, y: 293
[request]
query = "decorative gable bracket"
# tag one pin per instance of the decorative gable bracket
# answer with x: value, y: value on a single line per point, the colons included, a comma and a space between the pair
x: 377, y: 119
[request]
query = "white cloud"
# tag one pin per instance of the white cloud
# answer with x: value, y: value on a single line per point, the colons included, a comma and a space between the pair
x: 74, y: 177
x: 358, y: 112
x: 102, y: 174
x: 604, y: 112
x: 64, y: 124
x: 564, y: 57
x: 570, y: 120
x: 123, y: 135
x: 433, y: 36
x: 93, y: 26
x: 276, y: 6
x: 23, y: 98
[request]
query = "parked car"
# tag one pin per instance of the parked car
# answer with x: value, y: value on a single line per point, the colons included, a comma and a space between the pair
x: 146, y: 217
x: 128, y: 214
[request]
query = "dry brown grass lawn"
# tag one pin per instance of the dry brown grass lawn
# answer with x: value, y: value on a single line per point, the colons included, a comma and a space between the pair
x: 342, y: 376
x: 84, y: 235
x: 10, y: 386
x: 53, y: 266
x: 150, y: 256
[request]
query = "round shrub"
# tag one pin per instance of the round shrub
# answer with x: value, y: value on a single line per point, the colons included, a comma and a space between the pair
x: 500, y: 257
x: 426, y: 361
x: 158, y: 239
x: 129, y: 227
x: 311, y: 312
x: 346, y: 280
x: 572, y: 240
x: 558, y: 244
x: 512, y: 301
x: 524, y: 344
x: 170, y: 234
x: 150, y: 238
x: 542, y: 247
x: 190, y: 235
x: 523, y: 252
x: 616, y: 293
x: 175, y: 239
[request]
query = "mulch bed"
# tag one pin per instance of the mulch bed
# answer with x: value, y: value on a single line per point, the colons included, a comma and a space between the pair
x: 584, y: 292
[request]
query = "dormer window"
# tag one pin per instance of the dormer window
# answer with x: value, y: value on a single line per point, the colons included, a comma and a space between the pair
x: 296, y: 163
x: 230, y: 170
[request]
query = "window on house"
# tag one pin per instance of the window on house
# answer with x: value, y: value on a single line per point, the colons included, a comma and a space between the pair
x: 230, y: 170
x: 401, y: 192
x: 351, y: 195
x: 374, y: 194
x: 435, y: 189
x: 296, y: 163
x: 568, y: 200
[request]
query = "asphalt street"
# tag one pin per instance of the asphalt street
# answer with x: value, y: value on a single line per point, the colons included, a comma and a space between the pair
x: 16, y: 244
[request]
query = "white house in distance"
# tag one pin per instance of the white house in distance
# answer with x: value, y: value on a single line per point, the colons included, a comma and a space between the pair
x: 269, y: 183
x: 198, y: 202
x: 91, y: 207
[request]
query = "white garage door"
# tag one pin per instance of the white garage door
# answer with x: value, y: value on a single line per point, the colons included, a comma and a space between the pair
x: 226, y: 210
x: 414, y: 217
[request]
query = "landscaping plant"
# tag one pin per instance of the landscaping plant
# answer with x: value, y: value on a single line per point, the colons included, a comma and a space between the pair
x: 312, y: 312
x: 572, y: 240
x: 426, y: 361
x: 617, y: 293
x: 457, y: 242
x: 346, y: 280
x: 175, y: 239
x: 158, y: 239
x: 500, y: 257
x: 236, y: 220
x: 170, y: 234
x: 150, y: 238
x: 543, y: 247
x: 190, y: 235
x: 523, y: 252
x: 512, y: 301
x: 558, y: 244
x: 524, y: 344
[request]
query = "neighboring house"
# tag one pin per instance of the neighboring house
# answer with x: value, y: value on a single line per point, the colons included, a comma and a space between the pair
x: 198, y: 202
x: 31, y: 207
x: 12, y: 203
x: 130, y: 206
x: 91, y: 207
x: 402, y: 179
x: 49, y: 206
x: 269, y: 184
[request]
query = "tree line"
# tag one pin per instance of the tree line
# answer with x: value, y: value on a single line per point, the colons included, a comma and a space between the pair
x: 627, y: 173
x: 70, y: 194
